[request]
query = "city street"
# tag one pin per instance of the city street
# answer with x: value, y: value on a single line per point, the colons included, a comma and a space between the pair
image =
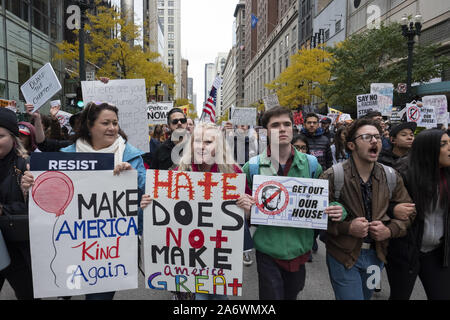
x: 317, y: 285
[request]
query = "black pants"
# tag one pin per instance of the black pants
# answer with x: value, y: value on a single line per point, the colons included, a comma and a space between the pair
x: 275, y: 283
x: 435, y: 278
x: 18, y: 273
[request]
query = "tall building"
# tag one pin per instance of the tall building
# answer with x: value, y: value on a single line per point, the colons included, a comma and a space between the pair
x: 305, y: 22
x: 210, y: 75
x: 329, y: 22
x: 166, y: 15
x: 184, y: 79
x: 29, y: 32
x: 221, y: 60
x: 229, y: 81
x: 239, y: 15
x: 269, y: 44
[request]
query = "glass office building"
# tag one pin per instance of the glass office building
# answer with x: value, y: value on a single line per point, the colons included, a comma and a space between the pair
x: 29, y: 31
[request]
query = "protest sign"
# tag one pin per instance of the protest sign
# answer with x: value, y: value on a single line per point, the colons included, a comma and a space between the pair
x: 129, y: 96
x: 157, y: 112
x: 63, y: 118
x: 41, y: 87
x: 366, y: 103
x: 244, y: 116
x: 440, y: 104
x: 194, y: 232
x: 397, y: 114
x: 385, y: 92
x: 4, y: 103
x: 290, y: 202
x: 424, y: 116
x: 271, y: 101
x: 83, y: 229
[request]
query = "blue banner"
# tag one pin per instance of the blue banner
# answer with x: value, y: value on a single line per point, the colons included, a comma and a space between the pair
x: 66, y: 161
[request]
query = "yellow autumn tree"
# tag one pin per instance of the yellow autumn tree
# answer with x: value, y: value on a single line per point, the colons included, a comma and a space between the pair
x: 308, y: 72
x: 110, y: 46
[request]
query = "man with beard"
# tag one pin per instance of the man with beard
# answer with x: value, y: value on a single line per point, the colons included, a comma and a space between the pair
x: 357, y: 246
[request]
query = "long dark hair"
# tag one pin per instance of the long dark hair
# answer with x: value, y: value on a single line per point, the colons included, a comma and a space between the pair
x: 425, y: 180
x: 340, y: 144
x: 87, y: 118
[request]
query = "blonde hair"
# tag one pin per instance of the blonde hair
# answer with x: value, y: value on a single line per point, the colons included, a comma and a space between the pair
x: 19, y: 148
x: 223, y: 156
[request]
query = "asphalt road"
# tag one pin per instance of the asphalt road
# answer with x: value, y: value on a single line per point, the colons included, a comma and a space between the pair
x: 317, y: 285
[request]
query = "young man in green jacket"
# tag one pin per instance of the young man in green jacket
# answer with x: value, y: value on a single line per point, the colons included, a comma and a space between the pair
x: 281, y: 252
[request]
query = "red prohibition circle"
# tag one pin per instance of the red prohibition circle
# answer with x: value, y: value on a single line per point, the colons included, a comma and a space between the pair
x: 261, y: 205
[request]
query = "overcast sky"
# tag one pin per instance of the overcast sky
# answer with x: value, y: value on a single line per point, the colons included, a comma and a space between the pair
x: 206, y: 29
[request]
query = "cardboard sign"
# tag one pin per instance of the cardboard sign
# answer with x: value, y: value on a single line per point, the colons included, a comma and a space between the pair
x: 385, y: 92
x: 129, y: 96
x: 290, y: 202
x: 157, y: 112
x: 424, y: 116
x: 68, y: 161
x: 271, y: 101
x: 440, y: 104
x: 64, y: 118
x: 366, y: 103
x: 243, y: 116
x: 41, y: 87
x: 83, y: 232
x: 194, y: 232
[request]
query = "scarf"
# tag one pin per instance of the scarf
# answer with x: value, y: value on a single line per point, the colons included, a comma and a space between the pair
x: 118, y: 148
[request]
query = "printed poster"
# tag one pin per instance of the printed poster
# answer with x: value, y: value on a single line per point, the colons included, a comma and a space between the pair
x: 290, y: 202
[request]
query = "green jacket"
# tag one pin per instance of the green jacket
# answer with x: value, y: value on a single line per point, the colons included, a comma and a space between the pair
x: 283, y: 243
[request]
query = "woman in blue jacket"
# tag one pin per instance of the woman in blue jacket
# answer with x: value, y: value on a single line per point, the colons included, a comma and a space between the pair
x: 98, y: 131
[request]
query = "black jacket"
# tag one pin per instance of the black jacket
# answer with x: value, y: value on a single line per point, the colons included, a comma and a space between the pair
x: 12, y: 168
x: 387, y: 157
x: 319, y: 146
x: 405, y: 251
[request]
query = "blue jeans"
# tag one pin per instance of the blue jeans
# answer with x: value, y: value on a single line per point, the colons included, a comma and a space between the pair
x: 356, y: 283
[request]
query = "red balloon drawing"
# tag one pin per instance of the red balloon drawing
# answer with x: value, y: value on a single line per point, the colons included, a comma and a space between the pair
x: 52, y: 192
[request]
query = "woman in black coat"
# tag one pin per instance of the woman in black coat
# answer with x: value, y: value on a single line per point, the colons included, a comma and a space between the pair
x: 425, y: 251
x: 12, y: 202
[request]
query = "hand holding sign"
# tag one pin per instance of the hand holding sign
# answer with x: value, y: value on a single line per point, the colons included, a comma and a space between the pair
x: 334, y: 212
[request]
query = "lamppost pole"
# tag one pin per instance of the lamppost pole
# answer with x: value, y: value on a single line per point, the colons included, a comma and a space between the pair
x: 410, y: 30
x: 84, y: 6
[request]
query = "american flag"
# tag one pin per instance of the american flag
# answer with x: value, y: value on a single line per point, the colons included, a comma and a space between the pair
x: 209, y: 108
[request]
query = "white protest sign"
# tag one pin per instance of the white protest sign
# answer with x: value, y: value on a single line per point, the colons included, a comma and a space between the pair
x: 397, y: 114
x: 244, y: 116
x: 290, y: 202
x: 157, y: 112
x: 366, y: 103
x: 271, y: 101
x: 385, y: 92
x: 194, y: 232
x: 129, y: 96
x: 440, y: 104
x: 41, y: 87
x: 83, y: 232
x: 424, y: 116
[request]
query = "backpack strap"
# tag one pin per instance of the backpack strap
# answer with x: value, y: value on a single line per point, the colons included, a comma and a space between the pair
x: 313, y: 163
x: 253, y: 166
x: 391, y: 178
x: 338, y: 170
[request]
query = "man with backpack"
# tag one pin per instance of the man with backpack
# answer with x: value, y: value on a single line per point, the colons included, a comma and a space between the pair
x: 281, y: 252
x: 367, y: 190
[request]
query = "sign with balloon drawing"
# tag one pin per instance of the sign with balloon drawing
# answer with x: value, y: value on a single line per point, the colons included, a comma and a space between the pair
x: 83, y: 229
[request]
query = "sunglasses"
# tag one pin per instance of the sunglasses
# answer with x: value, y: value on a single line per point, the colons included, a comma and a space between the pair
x: 182, y: 120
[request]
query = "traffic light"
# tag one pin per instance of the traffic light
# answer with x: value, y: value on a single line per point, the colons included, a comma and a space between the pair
x: 80, y: 103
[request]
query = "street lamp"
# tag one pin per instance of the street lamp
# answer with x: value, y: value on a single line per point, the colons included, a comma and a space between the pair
x: 410, y: 29
x: 156, y: 90
x: 84, y: 6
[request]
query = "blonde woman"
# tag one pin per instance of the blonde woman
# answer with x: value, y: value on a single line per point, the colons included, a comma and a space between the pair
x: 207, y: 152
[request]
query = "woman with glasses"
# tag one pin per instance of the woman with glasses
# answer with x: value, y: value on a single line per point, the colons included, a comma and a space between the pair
x: 300, y: 143
x: 425, y: 250
x: 98, y: 131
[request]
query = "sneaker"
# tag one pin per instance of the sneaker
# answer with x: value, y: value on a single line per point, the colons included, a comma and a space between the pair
x: 247, y: 259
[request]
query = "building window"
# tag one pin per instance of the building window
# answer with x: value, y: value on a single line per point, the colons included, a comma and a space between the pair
x: 171, y: 36
x: 171, y: 3
x: 171, y: 12
x: 160, y: 3
x: 171, y: 28
x: 327, y: 34
x: 338, y: 26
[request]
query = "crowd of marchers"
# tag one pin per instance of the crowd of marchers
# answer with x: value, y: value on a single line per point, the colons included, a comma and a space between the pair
x: 388, y: 191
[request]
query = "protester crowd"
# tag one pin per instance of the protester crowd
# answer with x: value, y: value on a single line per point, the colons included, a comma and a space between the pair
x: 388, y: 191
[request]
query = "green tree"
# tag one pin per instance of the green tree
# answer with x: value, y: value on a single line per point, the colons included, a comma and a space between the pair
x: 377, y: 56
x: 115, y: 56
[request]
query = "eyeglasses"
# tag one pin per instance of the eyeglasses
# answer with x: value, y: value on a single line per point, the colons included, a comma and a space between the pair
x: 301, y: 148
x: 368, y: 137
x: 182, y: 120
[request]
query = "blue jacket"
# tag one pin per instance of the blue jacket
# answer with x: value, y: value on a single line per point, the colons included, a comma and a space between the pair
x: 132, y: 155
